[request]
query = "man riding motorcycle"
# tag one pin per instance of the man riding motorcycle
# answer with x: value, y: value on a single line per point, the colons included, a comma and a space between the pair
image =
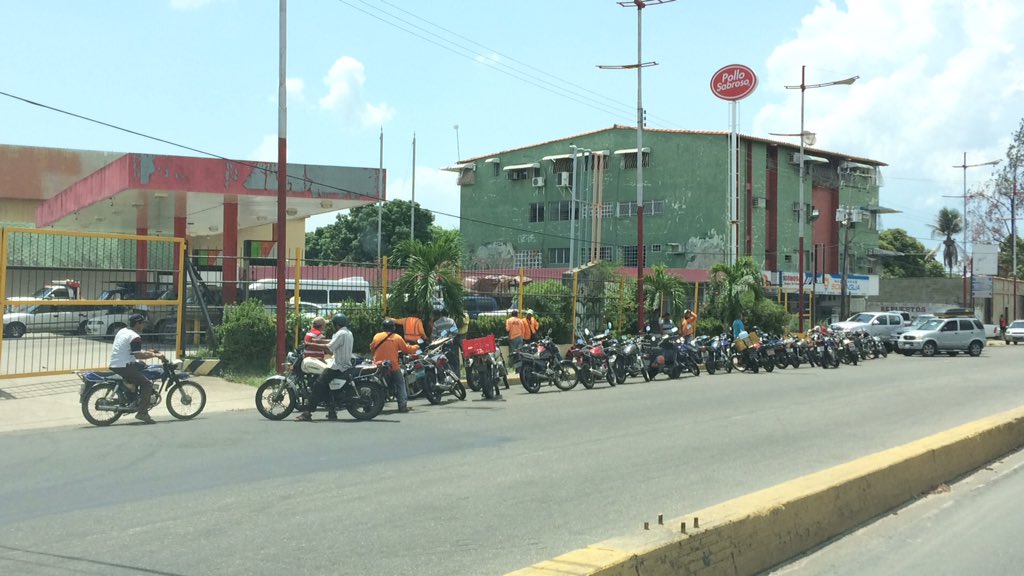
x: 125, y: 361
x: 341, y: 347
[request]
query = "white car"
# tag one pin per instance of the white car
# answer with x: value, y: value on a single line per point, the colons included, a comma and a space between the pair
x: 1014, y: 332
x: 106, y: 324
x: 48, y: 318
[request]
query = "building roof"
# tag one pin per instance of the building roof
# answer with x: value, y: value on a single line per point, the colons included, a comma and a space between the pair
x: 807, y: 149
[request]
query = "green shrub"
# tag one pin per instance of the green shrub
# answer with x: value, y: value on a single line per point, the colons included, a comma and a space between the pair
x: 247, y: 337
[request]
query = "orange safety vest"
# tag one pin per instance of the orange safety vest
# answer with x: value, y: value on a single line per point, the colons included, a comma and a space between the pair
x: 515, y: 327
x: 413, y: 329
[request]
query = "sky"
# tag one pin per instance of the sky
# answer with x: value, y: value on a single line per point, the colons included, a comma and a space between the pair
x: 938, y: 78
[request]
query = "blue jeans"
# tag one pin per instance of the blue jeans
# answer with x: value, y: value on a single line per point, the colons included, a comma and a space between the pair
x: 396, y: 380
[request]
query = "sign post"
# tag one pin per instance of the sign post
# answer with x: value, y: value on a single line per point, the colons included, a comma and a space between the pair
x: 733, y: 83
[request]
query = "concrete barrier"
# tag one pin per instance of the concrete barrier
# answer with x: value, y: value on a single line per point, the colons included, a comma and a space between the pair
x: 757, y: 531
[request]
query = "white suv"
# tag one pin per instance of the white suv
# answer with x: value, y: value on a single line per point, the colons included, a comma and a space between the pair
x: 881, y: 324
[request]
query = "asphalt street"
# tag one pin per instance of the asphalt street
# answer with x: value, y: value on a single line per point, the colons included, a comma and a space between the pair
x: 472, y: 487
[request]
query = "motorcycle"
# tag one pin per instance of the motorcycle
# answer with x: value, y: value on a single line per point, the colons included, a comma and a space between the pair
x: 624, y: 358
x: 745, y: 352
x: 485, y: 366
x: 716, y: 357
x: 667, y: 354
x: 104, y: 396
x: 540, y: 362
x: 589, y: 361
x: 440, y: 377
x: 362, y: 390
x: 848, y: 351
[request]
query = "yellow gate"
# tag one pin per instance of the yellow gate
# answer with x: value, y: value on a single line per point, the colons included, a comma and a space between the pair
x: 65, y: 294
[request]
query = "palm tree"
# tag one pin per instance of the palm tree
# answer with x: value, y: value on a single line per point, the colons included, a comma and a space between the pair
x: 948, y: 223
x: 662, y: 290
x: 432, y: 271
x: 727, y: 285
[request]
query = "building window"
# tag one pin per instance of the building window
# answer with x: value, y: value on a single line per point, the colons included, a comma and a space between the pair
x: 527, y: 259
x: 627, y: 209
x: 655, y: 247
x: 558, y: 255
x: 497, y: 169
x: 537, y: 212
x: 559, y: 211
x: 606, y: 253
x: 629, y: 160
x: 629, y: 255
x: 520, y: 174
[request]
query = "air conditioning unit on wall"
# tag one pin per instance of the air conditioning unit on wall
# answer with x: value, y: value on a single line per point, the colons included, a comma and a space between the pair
x: 673, y: 248
x: 538, y: 181
x: 564, y: 179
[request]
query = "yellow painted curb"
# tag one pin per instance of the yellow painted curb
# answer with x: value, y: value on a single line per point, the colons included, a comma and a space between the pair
x: 755, y: 532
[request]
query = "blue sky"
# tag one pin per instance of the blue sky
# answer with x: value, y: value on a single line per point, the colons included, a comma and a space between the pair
x: 937, y: 78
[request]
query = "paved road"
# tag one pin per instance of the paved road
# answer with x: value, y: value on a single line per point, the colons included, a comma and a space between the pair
x: 970, y: 527
x: 467, y: 488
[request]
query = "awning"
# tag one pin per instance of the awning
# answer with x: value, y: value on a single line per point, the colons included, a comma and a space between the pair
x: 459, y: 167
x: 494, y: 160
x: 559, y: 157
x: 522, y: 166
x: 883, y: 210
x: 631, y: 151
x: 809, y: 158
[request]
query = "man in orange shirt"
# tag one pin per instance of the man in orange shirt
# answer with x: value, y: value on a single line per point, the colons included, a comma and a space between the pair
x: 516, y: 329
x: 412, y: 328
x: 385, y: 346
x: 532, y: 326
x: 688, y: 325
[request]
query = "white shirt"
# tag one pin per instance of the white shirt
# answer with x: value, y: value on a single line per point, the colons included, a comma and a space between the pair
x: 341, y: 346
x: 126, y: 341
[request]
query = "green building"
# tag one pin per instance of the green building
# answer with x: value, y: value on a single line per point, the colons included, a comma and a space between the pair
x: 518, y: 209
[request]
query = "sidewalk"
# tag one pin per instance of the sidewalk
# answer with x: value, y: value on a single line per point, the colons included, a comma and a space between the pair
x: 38, y: 402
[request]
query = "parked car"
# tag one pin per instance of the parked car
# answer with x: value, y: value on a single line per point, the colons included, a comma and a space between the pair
x: 107, y: 324
x: 1014, y: 332
x: 50, y: 318
x: 476, y: 305
x: 949, y: 335
x: 881, y: 324
x: 914, y: 325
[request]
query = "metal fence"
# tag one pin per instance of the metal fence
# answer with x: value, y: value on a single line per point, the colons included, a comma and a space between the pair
x: 64, y: 295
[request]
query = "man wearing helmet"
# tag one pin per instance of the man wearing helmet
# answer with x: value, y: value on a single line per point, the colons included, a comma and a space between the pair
x: 385, y: 346
x: 340, y: 347
x: 126, y: 361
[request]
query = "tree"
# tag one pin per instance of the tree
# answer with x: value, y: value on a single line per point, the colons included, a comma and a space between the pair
x: 913, y: 260
x: 948, y: 223
x: 732, y: 289
x: 663, y: 291
x: 1006, y: 257
x: 990, y: 208
x: 432, y: 271
x: 353, y: 236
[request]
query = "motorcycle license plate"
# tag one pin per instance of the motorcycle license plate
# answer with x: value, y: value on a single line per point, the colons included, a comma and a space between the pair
x: 771, y: 352
x: 821, y: 349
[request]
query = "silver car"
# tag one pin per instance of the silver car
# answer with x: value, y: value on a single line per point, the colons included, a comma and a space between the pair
x: 949, y: 335
x: 881, y: 324
x: 1014, y: 332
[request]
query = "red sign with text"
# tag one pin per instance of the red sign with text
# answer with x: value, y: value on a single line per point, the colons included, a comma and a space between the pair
x: 733, y: 82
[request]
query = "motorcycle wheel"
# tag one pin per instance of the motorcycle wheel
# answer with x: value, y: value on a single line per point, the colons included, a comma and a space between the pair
x: 781, y: 362
x: 620, y: 374
x: 473, y: 384
x: 675, y: 372
x: 728, y: 367
x: 367, y: 401
x: 459, y: 391
x: 530, y: 383
x: 611, y: 377
x: 694, y: 369
x: 565, y: 384
x: 275, y: 400
x: 835, y: 360
x: 710, y: 367
x: 430, y: 390
x: 646, y: 374
x: 186, y: 400
x: 769, y: 366
x: 90, y: 410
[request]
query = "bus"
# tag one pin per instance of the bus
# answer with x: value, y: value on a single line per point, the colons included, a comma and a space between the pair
x: 329, y: 294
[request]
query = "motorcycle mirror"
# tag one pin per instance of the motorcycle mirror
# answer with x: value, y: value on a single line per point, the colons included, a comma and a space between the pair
x: 586, y: 332
x: 648, y: 328
x: 420, y: 341
x: 674, y: 330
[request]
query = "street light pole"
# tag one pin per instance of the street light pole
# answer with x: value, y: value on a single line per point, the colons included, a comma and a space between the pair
x: 640, y: 65
x: 801, y: 212
x: 965, y: 166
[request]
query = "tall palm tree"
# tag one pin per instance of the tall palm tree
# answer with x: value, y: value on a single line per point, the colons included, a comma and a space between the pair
x: 432, y: 271
x: 662, y: 291
x: 727, y: 285
x: 948, y: 223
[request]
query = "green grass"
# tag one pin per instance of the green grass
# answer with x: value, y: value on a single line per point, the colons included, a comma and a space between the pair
x: 254, y: 378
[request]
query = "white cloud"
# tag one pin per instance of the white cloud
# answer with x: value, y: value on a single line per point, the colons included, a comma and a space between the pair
x: 189, y: 4
x: 345, y: 81
x: 294, y: 88
x: 266, y: 151
x: 937, y: 78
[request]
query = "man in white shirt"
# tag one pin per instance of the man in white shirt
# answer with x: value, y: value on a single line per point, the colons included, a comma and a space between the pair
x: 126, y: 361
x: 341, y: 348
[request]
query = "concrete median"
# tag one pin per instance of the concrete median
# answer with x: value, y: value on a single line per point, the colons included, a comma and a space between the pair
x: 757, y: 531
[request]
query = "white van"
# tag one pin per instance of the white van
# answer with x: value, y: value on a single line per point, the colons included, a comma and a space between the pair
x: 328, y: 294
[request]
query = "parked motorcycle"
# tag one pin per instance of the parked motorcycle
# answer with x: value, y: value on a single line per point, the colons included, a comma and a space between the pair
x: 438, y: 376
x: 539, y: 362
x: 624, y: 358
x: 485, y: 366
x: 849, y: 353
x: 745, y: 355
x: 715, y: 352
x: 589, y: 361
x: 363, y: 392
x: 669, y: 354
x: 105, y: 398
